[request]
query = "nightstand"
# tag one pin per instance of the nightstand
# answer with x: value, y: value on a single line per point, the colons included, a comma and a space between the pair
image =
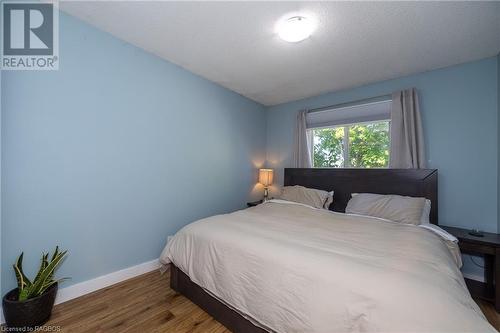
x: 487, y: 246
x: 254, y: 203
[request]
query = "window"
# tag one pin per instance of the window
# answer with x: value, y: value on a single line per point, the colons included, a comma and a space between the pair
x: 350, y: 136
x: 358, y: 145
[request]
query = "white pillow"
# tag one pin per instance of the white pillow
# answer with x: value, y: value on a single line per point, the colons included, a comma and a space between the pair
x: 329, y: 200
x: 308, y: 196
x: 426, y: 212
x: 397, y: 208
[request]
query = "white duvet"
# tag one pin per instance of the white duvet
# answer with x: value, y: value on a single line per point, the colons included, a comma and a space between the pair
x: 291, y: 268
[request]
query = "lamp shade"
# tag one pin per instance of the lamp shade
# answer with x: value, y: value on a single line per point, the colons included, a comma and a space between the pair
x: 266, y: 176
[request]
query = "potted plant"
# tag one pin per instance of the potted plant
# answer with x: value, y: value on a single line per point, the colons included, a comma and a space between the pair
x: 30, y: 304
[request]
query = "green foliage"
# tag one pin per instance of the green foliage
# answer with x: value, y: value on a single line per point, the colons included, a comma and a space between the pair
x: 368, y: 146
x: 44, y: 278
x: 329, y: 147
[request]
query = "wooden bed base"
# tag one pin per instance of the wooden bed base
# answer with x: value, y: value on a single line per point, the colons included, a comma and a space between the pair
x: 235, y: 322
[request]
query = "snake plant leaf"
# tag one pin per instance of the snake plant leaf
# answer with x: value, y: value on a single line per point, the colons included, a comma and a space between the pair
x: 56, y: 252
x: 22, y: 280
x: 23, y: 295
x: 48, y: 283
x: 44, y: 277
x: 21, y: 283
x: 37, y: 286
x: 52, y: 282
x: 20, y: 265
x: 43, y: 265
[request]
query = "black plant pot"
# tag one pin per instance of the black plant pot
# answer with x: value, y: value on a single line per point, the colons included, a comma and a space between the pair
x: 30, y: 313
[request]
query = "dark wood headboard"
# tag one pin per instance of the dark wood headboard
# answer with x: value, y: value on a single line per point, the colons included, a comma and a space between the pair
x: 409, y: 182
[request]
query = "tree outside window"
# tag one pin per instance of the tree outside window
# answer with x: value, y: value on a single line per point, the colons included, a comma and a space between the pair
x: 363, y: 145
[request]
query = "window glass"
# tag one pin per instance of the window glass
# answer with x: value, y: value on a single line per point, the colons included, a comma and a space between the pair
x: 328, y: 147
x: 369, y: 145
x: 363, y: 145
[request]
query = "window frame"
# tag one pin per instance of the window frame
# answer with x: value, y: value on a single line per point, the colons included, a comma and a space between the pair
x: 345, y: 162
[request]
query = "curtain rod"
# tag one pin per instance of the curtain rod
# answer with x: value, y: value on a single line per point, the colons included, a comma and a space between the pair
x: 374, y: 99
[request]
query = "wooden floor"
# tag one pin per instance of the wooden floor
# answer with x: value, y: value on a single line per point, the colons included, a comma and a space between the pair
x: 140, y: 305
x: 147, y: 304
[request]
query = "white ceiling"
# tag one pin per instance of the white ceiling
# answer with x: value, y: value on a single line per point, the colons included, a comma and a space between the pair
x: 235, y: 45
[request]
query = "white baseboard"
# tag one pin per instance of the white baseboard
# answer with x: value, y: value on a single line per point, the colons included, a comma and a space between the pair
x: 86, y: 287
x: 479, y: 278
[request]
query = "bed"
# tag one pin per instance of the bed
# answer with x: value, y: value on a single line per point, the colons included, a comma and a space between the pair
x: 285, y: 267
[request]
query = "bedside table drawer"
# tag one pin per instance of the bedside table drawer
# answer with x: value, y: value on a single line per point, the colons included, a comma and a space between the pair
x: 476, y: 248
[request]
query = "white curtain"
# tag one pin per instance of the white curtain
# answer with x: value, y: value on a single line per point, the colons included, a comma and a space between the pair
x: 407, y: 139
x: 301, y: 152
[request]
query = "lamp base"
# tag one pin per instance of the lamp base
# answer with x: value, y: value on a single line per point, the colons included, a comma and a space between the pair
x: 266, y: 194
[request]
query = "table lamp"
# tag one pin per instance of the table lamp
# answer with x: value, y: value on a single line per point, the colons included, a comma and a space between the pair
x: 266, y: 179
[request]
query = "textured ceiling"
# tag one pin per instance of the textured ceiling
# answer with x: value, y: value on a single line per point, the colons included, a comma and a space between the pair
x: 235, y: 45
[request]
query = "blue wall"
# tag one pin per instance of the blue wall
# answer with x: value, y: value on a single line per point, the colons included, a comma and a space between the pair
x: 115, y: 151
x: 459, y: 111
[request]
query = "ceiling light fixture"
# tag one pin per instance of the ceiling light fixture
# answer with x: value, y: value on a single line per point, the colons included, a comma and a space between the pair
x: 295, y: 29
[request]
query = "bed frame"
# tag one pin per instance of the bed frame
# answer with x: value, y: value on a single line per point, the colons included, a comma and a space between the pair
x: 410, y: 182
